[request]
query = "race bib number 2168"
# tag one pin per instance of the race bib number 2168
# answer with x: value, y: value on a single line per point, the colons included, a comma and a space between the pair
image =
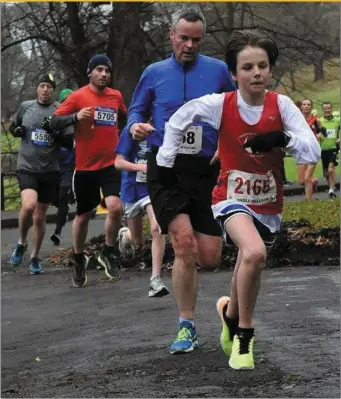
x: 251, y: 188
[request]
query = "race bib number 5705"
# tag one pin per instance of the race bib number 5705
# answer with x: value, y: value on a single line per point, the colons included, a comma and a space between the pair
x: 105, y: 116
x: 251, y: 188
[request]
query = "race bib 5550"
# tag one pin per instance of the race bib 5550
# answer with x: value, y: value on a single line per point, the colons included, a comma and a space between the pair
x: 40, y: 137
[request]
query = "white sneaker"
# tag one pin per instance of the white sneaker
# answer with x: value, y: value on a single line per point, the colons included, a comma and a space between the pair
x: 157, y: 288
x: 126, y: 249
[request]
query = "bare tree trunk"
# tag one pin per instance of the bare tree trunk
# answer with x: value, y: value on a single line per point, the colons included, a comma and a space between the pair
x: 82, y: 52
x: 318, y: 68
x: 242, y: 17
x: 229, y: 7
x: 126, y: 47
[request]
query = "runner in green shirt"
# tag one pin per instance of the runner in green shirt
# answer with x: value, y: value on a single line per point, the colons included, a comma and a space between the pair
x: 330, y: 140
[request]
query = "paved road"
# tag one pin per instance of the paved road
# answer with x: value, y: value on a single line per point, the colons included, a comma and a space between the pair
x: 110, y: 339
x: 10, y: 236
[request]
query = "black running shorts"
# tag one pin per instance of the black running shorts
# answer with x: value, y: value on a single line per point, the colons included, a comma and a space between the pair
x: 327, y: 157
x: 87, y: 187
x: 192, y: 195
x: 45, y: 184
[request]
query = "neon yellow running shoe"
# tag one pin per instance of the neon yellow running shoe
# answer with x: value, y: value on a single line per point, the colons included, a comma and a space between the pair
x: 226, y: 338
x: 242, y: 354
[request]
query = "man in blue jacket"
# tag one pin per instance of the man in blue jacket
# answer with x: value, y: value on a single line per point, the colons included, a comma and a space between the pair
x: 180, y: 207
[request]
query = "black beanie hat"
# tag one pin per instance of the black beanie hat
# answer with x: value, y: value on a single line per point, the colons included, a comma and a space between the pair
x: 99, y: 59
x: 47, y: 78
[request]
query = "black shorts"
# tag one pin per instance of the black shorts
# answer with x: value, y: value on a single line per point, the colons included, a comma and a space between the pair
x: 327, y: 157
x: 192, y: 195
x: 45, y: 184
x: 87, y: 186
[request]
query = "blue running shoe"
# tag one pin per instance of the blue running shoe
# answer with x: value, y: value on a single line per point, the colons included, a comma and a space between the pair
x: 35, y: 266
x: 186, y: 340
x: 18, y: 254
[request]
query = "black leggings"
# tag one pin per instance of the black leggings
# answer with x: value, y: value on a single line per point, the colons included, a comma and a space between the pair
x: 63, y: 208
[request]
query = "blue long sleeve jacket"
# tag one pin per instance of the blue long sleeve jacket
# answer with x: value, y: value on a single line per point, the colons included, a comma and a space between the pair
x: 166, y: 85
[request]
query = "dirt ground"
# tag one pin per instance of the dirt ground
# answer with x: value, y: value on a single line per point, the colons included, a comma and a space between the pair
x: 110, y: 340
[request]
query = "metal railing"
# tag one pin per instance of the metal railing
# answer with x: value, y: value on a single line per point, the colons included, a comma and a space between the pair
x: 12, y: 188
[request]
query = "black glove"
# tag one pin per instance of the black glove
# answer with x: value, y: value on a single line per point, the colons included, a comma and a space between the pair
x: 323, y: 131
x: 46, y: 124
x: 71, y: 197
x: 267, y: 141
x: 19, y: 131
x: 167, y: 176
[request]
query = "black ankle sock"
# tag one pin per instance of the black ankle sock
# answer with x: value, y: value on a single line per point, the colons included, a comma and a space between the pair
x: 246, y: 332
x: 232, y: 324
x: 78, y: 257
x: 245, y: 335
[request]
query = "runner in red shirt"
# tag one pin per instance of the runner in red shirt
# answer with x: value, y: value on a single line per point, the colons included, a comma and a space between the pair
x: 95, y: 110
x: 305, y: 172
x: 255, y: 126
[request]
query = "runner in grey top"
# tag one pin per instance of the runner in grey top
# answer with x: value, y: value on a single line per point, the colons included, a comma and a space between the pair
x: 39, y: 150
x: 37, y: 167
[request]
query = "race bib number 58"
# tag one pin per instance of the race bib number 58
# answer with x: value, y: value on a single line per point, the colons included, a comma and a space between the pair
x: 105, y: 116
x: 192, y: 141
x: 251, y: 188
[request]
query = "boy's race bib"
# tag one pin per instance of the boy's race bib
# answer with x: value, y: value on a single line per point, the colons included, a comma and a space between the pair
x: 251, y: 188
x: 40, y: 137
x: 105, y: 116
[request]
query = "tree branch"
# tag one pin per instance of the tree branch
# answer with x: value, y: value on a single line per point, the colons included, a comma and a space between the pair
x: 47, y: 39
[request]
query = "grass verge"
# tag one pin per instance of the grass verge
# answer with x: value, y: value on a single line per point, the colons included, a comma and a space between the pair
x: 291, y: 171
x: 320, y: 214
